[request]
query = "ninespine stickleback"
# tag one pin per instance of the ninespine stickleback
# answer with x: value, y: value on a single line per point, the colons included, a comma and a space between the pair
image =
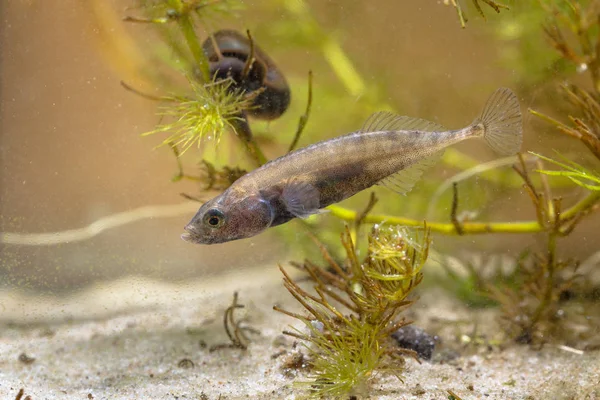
x: 389, y: 150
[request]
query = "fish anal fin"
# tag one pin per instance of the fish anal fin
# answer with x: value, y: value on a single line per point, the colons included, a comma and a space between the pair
x: 389, y: 121
x: 403, y: 181
x: 301, y: 198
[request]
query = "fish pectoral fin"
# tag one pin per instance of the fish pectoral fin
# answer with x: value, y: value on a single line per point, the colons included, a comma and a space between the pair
x: 403, y: 181
x: 301, y: 198
x: 389, y: 121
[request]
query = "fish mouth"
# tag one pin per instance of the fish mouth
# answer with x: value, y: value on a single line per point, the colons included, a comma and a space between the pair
x: 191, y: 235
x: 187, y: 237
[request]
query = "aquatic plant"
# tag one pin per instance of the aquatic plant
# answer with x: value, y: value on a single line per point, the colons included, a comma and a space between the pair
x: 577, y: 173
x: 221, y: 80
x: 349, y: 348
x: 533, y: 307
x: 184, y: 14
x: 212, y: 110
x: 477, y: 5
x: 236, y: 332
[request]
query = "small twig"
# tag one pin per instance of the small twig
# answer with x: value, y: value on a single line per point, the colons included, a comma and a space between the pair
x: 463, y: 20
x: 536, y: 198
x: 453, y: 211
x: 244, y: 132
x: 361, y: 217
x: 250, y: 60
x: 547, y: 193
x: 193, y: 198
x: 557, y: 124
x: 492, y: 4
x: 215, y: 46
x: 327, y: 257
x: 144, y: 95
x: 570, y: 349
x: 294, y: 334
x: 205, y: 3
x: 304, y: 117
x: 160, y: 20
x: 211, y: 174
x: 372, y: 202
x: 237, y: 337
x: 296, y: 291
x: 289, y: 313
x: 452, y: 395
x: 180, y: 174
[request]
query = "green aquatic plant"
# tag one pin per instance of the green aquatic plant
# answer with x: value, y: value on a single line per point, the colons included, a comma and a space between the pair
x: 218, y: 102
x: 213, y: 108
x: 349, y: 348
x: 577, y: 173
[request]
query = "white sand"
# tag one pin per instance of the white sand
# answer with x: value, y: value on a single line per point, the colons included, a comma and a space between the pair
x: 125, y: 340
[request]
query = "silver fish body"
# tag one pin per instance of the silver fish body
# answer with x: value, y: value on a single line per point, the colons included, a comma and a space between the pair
x: 389, y: 150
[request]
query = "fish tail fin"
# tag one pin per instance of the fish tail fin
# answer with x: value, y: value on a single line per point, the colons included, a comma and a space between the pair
x: 501, y: 122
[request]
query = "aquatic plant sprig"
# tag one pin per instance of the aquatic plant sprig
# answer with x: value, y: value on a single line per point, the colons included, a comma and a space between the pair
x: 530, y: 307
x: 572, y: 22
x: 215, y: 106
x: 581, y: 22
x: 348, y: 348
x: 182, y: 13
x: 585, y: 128
x: 577, y: 173
x: 461, y: 14
x: 211, y: 110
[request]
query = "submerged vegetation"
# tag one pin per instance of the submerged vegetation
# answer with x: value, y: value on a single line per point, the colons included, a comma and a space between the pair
x: 206, y: 116
x: 534, y: 307
x: 226, y: 87
x: 348, y: 348
x: 477, y: 5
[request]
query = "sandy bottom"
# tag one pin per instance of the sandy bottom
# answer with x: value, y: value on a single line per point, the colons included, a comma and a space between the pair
x: 137, y: 339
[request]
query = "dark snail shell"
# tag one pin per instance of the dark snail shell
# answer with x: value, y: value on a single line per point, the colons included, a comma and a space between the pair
x: 230, y: 61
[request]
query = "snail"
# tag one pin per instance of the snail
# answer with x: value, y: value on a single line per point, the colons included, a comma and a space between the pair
x: 233, y: 55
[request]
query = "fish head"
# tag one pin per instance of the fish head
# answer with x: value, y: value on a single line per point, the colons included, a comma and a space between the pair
x: 229, y: 217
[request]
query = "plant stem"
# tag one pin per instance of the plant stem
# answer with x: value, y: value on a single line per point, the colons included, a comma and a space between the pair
x: 243, y: 131
x: 551, y: 267
x: 468, y: 228
x: 187, y: 27
x: 589, y: 201
x: 446, y: 228
x: 192, y: 40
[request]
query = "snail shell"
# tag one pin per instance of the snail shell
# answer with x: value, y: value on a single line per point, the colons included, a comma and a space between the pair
x: 230, y: 60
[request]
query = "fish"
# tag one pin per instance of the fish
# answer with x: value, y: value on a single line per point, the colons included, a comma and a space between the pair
x: 389, y: 150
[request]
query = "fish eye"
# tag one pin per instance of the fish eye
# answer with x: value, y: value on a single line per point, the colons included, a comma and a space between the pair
x: 214, y: 218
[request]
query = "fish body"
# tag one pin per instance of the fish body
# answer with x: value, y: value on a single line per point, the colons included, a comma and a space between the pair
x: 389, y: 150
